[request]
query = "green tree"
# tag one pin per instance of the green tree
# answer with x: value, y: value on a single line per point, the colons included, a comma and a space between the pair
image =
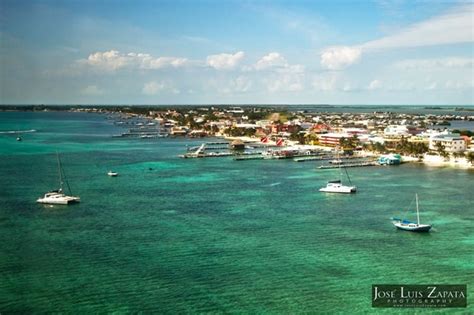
x: 343, y: 142
x: 470, y: 157
x: 441, y: 149
x: 379, y: 147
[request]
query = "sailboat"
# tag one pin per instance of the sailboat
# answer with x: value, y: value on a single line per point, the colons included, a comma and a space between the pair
x: 58, y: 197
x: 336, y: 186
x: 412, y: 226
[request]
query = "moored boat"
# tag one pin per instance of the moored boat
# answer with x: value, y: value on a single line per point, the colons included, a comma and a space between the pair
x: 58, y: 197
x: 336, y: 186
x: 406, y: 225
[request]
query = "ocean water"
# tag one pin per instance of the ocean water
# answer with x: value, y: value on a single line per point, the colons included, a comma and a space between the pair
x: 171, y: 235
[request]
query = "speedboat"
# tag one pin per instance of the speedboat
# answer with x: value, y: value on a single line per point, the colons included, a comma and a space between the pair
x: 335, y: 186
x: 113, y: 174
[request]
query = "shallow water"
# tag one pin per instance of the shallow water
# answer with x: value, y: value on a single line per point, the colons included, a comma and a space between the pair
x: 212, y: 235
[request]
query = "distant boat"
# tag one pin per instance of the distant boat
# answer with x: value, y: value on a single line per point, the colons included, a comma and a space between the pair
x: 57, y: 196
x: 113, y: 174
x: 412, y: 226
x: 18, y: 139
x: 336, y: 186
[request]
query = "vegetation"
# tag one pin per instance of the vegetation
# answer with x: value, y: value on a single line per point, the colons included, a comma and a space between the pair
x: 470, y: 157
x: 464, y: 132
x: 411, y: 148
x: 441, y: 149
x: 298, y: 136
x: 349, y: 143
x: 240, y: 132
x: 375, y: 146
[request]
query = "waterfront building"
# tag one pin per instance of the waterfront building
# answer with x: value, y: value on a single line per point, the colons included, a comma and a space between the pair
x: 332, y: 139
x: 452, y: 142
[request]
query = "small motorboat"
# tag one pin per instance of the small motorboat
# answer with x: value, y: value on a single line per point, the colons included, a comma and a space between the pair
x: 112, y: 174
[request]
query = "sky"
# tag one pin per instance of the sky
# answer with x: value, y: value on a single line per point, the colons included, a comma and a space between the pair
x: 236, y: 52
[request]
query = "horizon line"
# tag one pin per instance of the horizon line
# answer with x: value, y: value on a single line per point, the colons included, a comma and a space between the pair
x: 237, y: 104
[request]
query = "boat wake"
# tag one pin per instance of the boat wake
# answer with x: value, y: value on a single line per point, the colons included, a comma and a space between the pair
x: 17, y: 131
x: 274, y: 184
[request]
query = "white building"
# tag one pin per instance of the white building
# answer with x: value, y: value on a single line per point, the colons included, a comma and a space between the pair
x: 451, y: 142
x: 396, y: 131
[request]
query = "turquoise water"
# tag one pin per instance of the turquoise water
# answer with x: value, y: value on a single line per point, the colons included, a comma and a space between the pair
x: 212, y: 235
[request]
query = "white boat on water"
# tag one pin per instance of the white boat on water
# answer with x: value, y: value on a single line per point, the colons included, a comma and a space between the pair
x: 336, y: 186
x: 57, y: 197
x: 113, y: 174
x: 406, y: 225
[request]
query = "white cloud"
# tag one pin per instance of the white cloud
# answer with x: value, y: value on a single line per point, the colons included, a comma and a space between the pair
x: 110, y: 60
x: 271, y: 60
x: 155, y: 87
x: 113, y: 60
x: 375, y: 84
x: 449, y: 62
x: 334, y: 82
x: 238, y: 85
x: 325, y: 82
x: 285, y: 83
x: 337, y: 58
x: 453, y: 27
x: 241, y: 84
x: 225, y: 61
x: 92, y: 90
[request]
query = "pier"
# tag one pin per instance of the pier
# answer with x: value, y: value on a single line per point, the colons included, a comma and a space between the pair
x: 362, y: 164
x: 249, y: 157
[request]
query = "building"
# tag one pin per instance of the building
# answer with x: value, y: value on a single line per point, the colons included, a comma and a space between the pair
x: 397, y: 131
x: 332, y: 139
x: 452, y: 142
x: 355, y: 131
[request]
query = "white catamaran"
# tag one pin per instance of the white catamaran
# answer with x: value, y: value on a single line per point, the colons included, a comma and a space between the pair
x: 336, y: 186
x: 412, y: 226
x: 57, y: 197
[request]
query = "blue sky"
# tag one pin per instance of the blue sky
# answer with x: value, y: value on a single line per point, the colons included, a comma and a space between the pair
x: 248, y: 52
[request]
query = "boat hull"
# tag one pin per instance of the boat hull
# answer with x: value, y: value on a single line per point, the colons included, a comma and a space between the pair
x: 413, y: 227
x: 59, y: 201
x: 340, y: 189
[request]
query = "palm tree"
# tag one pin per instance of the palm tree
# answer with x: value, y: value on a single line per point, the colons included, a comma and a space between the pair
x: 441, y: 149
x: 470, y: 157
x: 342, y: 142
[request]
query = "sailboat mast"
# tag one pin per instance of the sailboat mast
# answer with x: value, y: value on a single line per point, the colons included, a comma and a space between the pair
x: 338, y: 160
x: 417, y: 211
x: 60, y: 172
